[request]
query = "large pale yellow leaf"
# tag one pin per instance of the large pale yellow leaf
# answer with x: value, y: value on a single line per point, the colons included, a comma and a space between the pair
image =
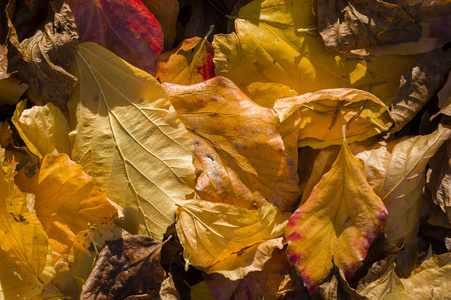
x: 340, y: 219
x: 321, y: 115
x: 44, y: 129
x: 228, y: 239
x: 129, y: 139
x: 276, y: 41
x: 67, y: 200
x: 240, y: 156
x: 23, y: 240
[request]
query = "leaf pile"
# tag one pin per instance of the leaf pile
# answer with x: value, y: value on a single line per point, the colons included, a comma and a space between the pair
x: 265, y: 149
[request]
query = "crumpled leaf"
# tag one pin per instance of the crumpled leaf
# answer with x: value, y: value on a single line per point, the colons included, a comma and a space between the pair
x: 275, y: 42
x: 322, y: 114
x: 341, y: 218
x: 44, y: 129
x: 126, y: 267
x: 240, y: 156
x: 126, y: 28
x: 166, y: 12
x: 351, y: 24
x: 42, y: 57
x: 395, y: 170
x: 419, y: 85
x: 439, y: 178
x: 191, y: 62
x: 67, y: 200
x: 227, y: 239
x: 129, y: 139
x: 25, y: 248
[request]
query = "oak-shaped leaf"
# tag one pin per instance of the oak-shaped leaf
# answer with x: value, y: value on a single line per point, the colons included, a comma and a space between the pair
x: 126, y: 28
x: 227, y: 239
x: 44, y: 129
x: 191, y: 62
x: 321, y: 115
x: 350, y: 24
x: 240, y: 156
x: 129, y: 139
x: 26, y: 262
x: 276, y: 41
x: 42, y: 54
x: 340, y: 219
x: 126, y: 267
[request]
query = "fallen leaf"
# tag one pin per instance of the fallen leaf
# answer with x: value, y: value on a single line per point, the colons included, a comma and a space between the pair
x: 44, y: 129
x: 11, y: 89
x: 444, y: 98
x: 42, y: 59
x: 419, y: 85
x: 67, y: 200
x: 191, y: 62
x: 126, y: 28
x: 166, y: 12
x: 266, y: 93
x: 168, y: 290
x: 126, y: 267
x: 350, y: 24
x: 239, y: 154
x: 341, y: 218
x: 129, y: 139
x: 201, y: 291
x: 227, y: 239
x: 25, y: 247
x: 275, y: 41
x: 321, y: 116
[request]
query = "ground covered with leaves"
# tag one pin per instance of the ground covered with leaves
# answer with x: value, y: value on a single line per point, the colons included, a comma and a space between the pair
x: 225, y: 149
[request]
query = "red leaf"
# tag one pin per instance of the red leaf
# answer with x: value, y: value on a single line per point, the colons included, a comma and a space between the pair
x: 126, y: 28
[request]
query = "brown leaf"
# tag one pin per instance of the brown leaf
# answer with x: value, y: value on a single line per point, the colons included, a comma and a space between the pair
x: 43, y: 58
x: 351, y: 24
x: 418, y: 85
x: 126, y: 267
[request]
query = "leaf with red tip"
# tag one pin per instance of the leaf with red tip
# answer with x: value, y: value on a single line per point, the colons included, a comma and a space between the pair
x: 126, y: 28
x: 340, y: 219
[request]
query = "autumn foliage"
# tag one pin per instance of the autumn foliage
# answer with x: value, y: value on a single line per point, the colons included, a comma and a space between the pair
x: 293, y: 150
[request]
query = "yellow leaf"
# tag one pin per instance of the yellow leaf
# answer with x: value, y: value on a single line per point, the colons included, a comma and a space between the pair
x: 129, y: 139
x: 228, y: 239
x: 322, y: 114
x: 266, y: 93
x: 44, y: 129
x: 23, y: 240
x: 189, y: 63
x: 341, y: 218
x: 67, y: 200
x: 239, y: 153
x: 276, y: 41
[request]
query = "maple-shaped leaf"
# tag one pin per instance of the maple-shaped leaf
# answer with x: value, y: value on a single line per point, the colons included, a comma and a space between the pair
x: 276, y: 41
x: 129, y: 139
x: 126, y: 28
x: 44, y: 129
x: 321, y: 115
x: 340, y: 219
x: 25, y: 253
x: 227, y: 239
x: 66, y: 200
x: 239, y: 153
x: 191, y: 62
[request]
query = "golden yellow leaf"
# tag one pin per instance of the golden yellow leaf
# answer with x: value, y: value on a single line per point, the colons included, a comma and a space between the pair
x: 67, y: 200
x: 23, y: 238
x: 129, y: 139
x: 239, y: 153
x: 44, y: 129
x: 228, y: 239
x: 191, y: 62
x: 321, y: 115
x: 341, y: 218
x: 276, y: 41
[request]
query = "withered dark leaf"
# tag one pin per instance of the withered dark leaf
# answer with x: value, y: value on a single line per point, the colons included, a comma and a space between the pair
x: 126, y: 267
x: 352, y: 24
x: 42, y: 59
